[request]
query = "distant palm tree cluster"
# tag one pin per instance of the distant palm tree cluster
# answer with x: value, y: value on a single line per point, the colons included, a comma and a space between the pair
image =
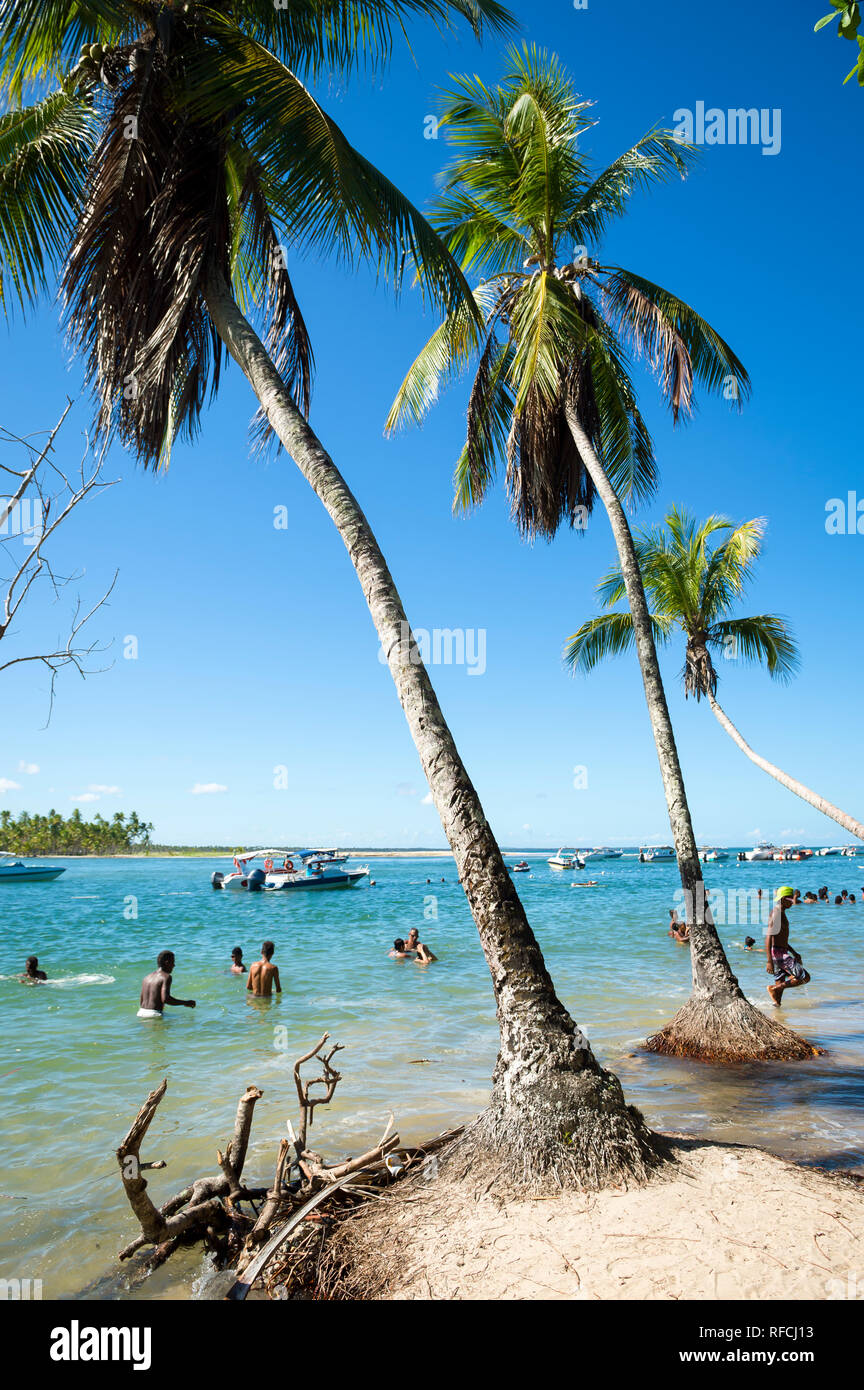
x: 55, y: 834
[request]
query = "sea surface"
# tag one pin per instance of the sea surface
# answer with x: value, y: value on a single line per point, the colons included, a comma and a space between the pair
x: 418, y: 1042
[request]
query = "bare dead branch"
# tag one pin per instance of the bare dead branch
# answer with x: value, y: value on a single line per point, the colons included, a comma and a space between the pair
x: 47, y: 495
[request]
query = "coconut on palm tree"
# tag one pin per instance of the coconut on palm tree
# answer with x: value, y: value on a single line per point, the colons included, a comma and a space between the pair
x: 554, y: 399
x: 695, y: 574
x: 187, y: 158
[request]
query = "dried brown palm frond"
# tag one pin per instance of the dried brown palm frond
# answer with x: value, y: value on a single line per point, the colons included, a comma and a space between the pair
x: 154, y: 224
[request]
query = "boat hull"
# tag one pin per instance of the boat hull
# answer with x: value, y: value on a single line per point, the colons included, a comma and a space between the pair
x: 349, y: 880
x: 279, y: 883
x: 29, y: 875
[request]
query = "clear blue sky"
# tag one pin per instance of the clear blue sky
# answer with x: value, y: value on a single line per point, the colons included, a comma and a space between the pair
x: 255, y: 646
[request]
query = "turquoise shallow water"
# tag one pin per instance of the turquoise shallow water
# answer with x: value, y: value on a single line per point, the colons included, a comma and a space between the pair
x: 77, y: 1063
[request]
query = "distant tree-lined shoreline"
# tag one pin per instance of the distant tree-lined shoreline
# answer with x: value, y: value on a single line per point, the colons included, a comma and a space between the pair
x: 56, y: 834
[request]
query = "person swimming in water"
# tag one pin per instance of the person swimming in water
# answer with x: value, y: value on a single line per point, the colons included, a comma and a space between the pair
x: 264, y: 975
x: 423, y: 954
x: 398, y: 951
x: 678, y: 930
x: 782, y: 961
x: 156, y: 988
x: 237, y: 966
x: 749, y: 943
x: 32, y: 974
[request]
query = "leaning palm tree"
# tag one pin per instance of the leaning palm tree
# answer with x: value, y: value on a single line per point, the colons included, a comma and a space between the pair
x: 199, y: 164
x: 695, y: 575
x: 553, y: 397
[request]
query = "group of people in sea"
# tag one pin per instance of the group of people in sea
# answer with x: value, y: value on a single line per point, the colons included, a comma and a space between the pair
x: 156, y: 987
x: 263, y: 975
x: 412, y: 949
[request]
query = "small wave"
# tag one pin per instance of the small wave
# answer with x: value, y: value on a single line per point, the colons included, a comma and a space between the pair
x: 70, y: 981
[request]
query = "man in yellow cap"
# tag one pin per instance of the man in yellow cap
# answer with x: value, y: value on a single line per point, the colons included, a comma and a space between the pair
x: 783, y: 963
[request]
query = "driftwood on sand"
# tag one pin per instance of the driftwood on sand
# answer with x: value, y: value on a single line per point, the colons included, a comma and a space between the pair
x: 276, y: 1233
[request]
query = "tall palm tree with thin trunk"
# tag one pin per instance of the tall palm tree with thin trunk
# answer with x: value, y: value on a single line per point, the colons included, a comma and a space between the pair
x: 200, y: 164
x: 695, y: 574
x: 553, y: 396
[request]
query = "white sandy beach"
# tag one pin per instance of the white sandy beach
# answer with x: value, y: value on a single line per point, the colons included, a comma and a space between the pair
x: 729, y: 1222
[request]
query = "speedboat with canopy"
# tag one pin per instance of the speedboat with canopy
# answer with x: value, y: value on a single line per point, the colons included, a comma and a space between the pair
x: 281, y: 870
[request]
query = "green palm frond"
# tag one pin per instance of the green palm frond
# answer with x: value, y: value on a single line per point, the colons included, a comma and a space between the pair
x: 764, y: 637
x: 328, y: 198
x: 656, y: 158
x: 40, y: 40
x: 481, y: 241
x: 547, y: 331
x: 313, y: 36
x: 611, y: 589
x: 44, y: 154
x: 443, y: 356
x: 731, y: 564
x: 608, y: 635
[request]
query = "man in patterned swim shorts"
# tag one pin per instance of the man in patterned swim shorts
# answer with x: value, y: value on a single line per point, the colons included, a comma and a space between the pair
x: 783, y: 963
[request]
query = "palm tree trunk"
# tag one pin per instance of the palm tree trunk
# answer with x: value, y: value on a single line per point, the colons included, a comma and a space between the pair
x: 826, y: 807
x: 717, y: 1021
x: 547, y: 1082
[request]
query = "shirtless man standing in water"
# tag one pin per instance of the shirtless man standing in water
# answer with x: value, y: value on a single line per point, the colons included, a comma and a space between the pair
x: 156, y: 988
x: 263, y: 975
x: 782, y: 962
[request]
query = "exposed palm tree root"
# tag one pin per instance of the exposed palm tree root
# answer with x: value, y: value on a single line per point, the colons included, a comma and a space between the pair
x: 733, y: 1032
x: 567, y: 1130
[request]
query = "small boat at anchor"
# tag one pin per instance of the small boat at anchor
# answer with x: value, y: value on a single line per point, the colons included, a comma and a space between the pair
x: 14, y: 870
x: 656, y: 854
x: 282, y: 870
x: 523, y: 867
x: 761, y: 852
x: 708, y: 855
x: 566, y: 859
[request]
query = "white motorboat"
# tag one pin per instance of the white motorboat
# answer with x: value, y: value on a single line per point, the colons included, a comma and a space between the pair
x: 280, y: 870
x: 763, y: 851
x: 709, y: 855
x: 600, y: 852
x: 566, y: 859
x: 657, y: 854
x: 14, y: 870
x: 523, y: 867
x: 850, y: 851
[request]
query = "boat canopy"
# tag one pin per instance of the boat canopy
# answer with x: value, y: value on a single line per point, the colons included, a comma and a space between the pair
x: 265, y: 854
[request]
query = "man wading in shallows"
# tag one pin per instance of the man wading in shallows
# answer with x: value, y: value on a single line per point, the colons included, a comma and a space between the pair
x: 783, y: 963
x: 263, y: 974
x: 156, y: 988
